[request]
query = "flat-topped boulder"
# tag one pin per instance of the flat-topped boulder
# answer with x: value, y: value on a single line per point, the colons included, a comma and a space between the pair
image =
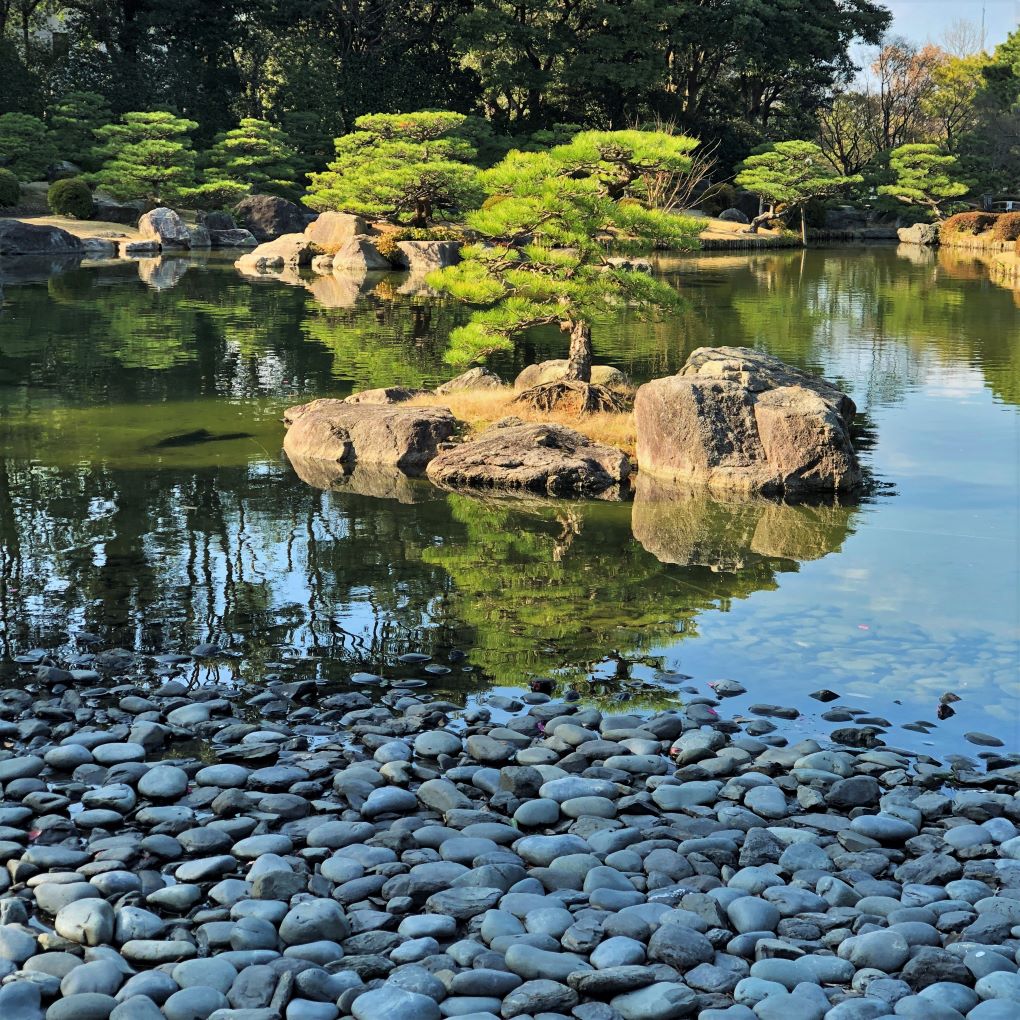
x: 334, y: 229
x: 20, y: 238
x: 290, y: 251
x: 537, y: 457
x: 423, y: 256
x: 342, y: 433
x: 735, y: 419
x: 359, y: 255
x: 556, y: 369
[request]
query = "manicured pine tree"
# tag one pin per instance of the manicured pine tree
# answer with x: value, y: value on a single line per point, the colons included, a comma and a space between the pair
x: 73, y: 121
x: 924, y: 177
x: 402, y: 166
x: 255, y: 154
x: 790, y: 174
x: 549, y: 233
x: 147, y: 156
x: 26, y: 149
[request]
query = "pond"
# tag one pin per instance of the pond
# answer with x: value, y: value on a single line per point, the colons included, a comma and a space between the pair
x: 144, y: 497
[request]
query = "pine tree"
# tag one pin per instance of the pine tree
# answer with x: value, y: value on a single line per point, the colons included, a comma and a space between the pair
x: 791, y: 174
x: 400, y: 165
x: 147, y: 156
x: 257, y: 155
x: 26, y: 148
x: 924, y: 177
x: 549, y: 231
x: 73, y: 122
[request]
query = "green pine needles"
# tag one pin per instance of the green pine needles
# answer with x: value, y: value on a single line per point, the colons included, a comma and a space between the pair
x: 552, y: 233
x: 924, y: 177
x: 790, y: 174
x: 410, y: 168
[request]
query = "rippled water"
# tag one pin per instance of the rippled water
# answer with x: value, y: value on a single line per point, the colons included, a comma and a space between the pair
x: 890, y: 602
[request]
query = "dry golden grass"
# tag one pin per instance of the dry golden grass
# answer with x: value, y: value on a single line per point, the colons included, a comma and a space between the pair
x: 479, y: 408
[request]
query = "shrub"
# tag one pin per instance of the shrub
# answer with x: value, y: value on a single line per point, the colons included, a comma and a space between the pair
x: 969, y: 223
x: 71, y: 197
x: 25, y: 146
x: 717, y: 199
x: 10, y: 191
x: 1007, y: 227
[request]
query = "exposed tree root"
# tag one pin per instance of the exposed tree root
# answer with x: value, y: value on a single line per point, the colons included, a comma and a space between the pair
x: 568, y: 394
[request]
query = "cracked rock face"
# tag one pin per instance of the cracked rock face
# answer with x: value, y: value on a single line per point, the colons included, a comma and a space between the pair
x: 738, y: 420
x: 338, y: 432
x: 542, y: 458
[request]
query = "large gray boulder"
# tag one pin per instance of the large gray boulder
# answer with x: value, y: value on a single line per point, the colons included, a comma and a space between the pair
x: 20, y: 238
x: 739, y: 420
x: 556, y: 369
x: 332, y: 230
x: 236, y: 237
x: 332, y: 430
x: 290, y: 251
x: 359, y: 255
x: 269, y: 216
x: 477, y: 378
x: 166, y: 226
x: 533, y: 457
x: 422, y: 257
x: 926, y: 234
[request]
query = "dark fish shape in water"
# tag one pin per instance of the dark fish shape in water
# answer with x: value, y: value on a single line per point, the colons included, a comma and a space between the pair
x: 197, y: 437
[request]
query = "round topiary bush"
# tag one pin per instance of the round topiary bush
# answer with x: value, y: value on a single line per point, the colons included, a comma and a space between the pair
x: 71, y: 197
x: 10, y: 190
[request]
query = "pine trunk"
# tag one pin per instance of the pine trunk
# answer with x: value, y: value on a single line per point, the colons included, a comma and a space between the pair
x: 803, y: 226
x: 579, y: 358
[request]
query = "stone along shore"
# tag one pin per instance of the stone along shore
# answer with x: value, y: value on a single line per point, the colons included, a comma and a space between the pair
x: 328, y: 856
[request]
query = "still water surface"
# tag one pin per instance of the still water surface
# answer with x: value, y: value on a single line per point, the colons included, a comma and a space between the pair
x: 891, y: 601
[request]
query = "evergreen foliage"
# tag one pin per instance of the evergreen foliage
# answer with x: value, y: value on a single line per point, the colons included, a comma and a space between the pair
x: 25, y: 146
x: 71, y: 197
x: 10, y: 190
x: 924, y: 176
x: 147, y: 156
x: 255, y: 155
x: 547, y: 238
x: 400, y: 166
x: 73, y: 122
x: 790, y: 174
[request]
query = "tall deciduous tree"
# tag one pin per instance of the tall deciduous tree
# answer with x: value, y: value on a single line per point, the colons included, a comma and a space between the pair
x: 925, y: 176
x: 791, y: 174
x: 549, y: 228
x: 400, y: 166
x: 146, y: 156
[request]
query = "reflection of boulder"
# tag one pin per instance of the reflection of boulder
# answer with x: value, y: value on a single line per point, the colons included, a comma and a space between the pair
x: 341, y: 290
x: 361, y: 479
x: 535, y: 457
x: 331, y: 430
x: 740, y: 420
x: 917, y: 254
x: 690, y: 527
x: 162, y: 273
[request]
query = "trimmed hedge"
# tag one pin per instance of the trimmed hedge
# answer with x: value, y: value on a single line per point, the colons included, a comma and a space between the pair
x: 1007, y: 227
x: 10, y: 190
x: 969, y: 223
x: 71, y: 197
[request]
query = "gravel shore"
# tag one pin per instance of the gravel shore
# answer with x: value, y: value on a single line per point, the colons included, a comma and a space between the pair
x: 271, y: 851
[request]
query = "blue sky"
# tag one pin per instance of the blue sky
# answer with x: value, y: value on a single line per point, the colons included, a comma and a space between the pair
x: 924, y: 21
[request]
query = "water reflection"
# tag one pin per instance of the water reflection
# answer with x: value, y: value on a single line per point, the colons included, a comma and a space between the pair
x: 105, y: 527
